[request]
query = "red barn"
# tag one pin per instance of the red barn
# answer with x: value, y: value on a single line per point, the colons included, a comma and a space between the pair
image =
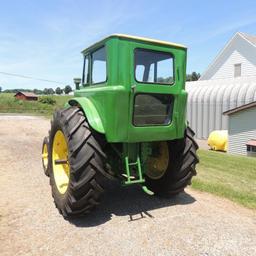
x: 26, y: 96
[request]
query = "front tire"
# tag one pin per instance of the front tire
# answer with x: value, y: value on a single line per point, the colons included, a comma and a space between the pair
x: 180, y: 166
x: 76, y: 163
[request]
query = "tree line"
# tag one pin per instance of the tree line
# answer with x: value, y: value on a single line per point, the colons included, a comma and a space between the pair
x: 194, y: 76
x: 46, y: 91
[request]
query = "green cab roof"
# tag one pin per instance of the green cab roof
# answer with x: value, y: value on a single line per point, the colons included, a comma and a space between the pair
x: 135, y: 38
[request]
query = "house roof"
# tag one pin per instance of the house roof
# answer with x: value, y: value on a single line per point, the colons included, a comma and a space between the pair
x: 241, y: 108
x: 251, y: 143
x: 27, y: 94
x: 251, y: 39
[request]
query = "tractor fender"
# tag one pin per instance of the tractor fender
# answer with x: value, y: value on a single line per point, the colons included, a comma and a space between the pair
x: 90, y: 112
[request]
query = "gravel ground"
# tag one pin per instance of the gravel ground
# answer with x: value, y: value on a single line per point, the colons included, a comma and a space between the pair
x: 203, y: 144
x: 128, y: 222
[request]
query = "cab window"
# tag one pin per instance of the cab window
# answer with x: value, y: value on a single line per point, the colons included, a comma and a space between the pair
x: 85, y: 77
x: 99, y: 66
x: 153, y: 67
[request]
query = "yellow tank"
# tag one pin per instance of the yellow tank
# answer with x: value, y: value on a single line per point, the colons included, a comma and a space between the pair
x: 218, y: 140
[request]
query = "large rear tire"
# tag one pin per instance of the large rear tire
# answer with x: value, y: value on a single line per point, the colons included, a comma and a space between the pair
x: 180, y: 166
x: 76, y: 163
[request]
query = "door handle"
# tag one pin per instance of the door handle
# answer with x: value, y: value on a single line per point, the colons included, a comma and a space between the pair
x: 133, y: 88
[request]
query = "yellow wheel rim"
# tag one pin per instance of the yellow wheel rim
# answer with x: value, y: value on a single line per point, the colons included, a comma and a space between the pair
x: 60, y: 164
x: 45, y: 155
x: 158, y: 162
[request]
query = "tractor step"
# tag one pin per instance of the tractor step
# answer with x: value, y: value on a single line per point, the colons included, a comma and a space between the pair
x: 126, y: 176
x: 130, y: 179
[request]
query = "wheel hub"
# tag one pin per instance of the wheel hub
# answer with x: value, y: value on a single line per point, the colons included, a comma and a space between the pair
x: 157, y: 162
x: 60, y: 164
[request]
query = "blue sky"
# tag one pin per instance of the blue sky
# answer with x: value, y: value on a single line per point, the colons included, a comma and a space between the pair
x: 44, y: 38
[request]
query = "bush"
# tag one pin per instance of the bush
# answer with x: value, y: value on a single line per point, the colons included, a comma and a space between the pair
x: 47, y: 100
x: 18, y: 101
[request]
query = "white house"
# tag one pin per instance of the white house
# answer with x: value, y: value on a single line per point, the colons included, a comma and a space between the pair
x: 242, y: 129
x: 236, y: 59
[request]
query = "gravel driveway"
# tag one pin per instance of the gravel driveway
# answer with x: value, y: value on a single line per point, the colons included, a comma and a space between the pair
x: 128, y: 222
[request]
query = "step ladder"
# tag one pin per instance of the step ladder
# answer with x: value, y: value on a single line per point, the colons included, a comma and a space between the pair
x: 135, y: 166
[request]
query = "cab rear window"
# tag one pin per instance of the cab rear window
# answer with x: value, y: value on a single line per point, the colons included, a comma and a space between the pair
x: 153, y: 67
x: 152, y: 109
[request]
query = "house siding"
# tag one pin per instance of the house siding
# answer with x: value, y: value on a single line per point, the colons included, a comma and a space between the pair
x: 20, y: 97
x: 242, y: 128
x: 239, y: 51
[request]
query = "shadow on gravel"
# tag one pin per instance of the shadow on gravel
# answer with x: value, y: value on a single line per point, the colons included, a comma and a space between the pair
x: 128, y: 201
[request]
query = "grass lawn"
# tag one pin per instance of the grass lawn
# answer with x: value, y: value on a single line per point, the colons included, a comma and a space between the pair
x: 8, y: 104
x: 233, y: 177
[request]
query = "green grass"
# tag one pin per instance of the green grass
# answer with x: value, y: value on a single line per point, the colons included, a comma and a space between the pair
x: 8, y: 104
x: 229, y: 176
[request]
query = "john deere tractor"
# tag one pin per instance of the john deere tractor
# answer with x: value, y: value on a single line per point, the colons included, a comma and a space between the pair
x: 126, y: 121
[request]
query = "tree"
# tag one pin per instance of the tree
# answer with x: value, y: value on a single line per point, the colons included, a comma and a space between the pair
x: 67, y: 89
x: 48, y: 91
x: 0, y: 89
x: 38, y: 91
x: 45, y: 91
x: 193, y: 76
x: 58, y: 90
x: 51, y: 91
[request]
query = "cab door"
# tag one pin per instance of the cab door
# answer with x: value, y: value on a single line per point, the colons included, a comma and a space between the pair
x: 153, y: 74
x: 155, y: 85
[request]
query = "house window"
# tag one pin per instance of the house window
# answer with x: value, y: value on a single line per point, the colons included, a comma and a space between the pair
x: 251, y: 146
x: 237, y: 70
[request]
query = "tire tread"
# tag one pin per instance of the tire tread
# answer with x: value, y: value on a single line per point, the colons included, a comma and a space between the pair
x: 86, y: 170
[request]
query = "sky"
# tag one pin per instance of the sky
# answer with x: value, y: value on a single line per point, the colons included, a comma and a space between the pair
x: 44, y: 39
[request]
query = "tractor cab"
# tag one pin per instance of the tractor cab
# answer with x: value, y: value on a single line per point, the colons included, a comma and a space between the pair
x: 143, y: 79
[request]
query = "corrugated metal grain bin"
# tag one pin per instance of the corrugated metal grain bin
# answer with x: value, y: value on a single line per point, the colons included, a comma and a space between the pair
x: 208, y: 99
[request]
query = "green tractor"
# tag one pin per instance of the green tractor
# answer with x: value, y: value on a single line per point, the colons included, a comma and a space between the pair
x: 126, y: 121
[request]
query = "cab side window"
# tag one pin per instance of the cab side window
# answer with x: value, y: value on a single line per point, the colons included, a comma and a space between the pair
x: 99, y: 66
x: 85, y: 77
